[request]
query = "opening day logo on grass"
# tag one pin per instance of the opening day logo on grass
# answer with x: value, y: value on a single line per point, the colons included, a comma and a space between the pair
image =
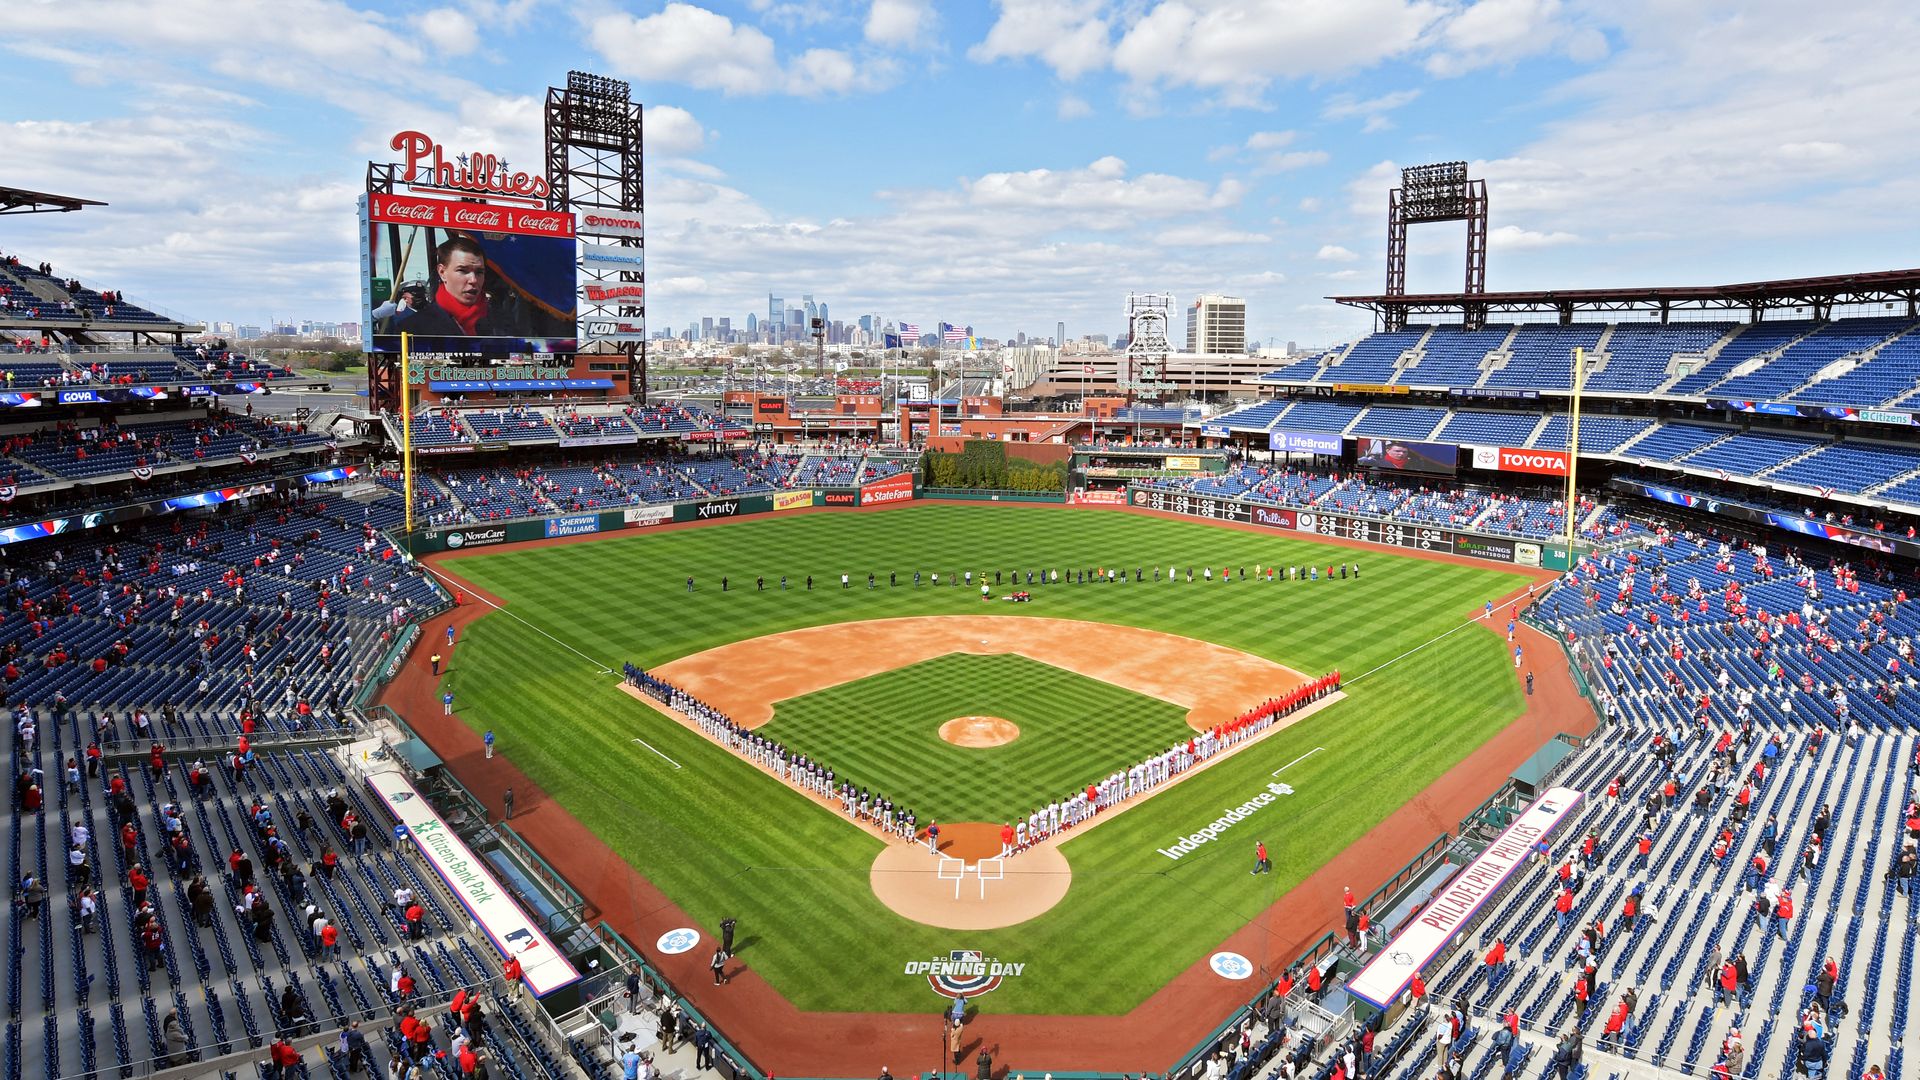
x: 964, y: 972
x: 1228, y: 818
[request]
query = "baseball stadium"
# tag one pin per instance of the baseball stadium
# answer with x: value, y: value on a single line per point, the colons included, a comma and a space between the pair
x: 1515, y: 689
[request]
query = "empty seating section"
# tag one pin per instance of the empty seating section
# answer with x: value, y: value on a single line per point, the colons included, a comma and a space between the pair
x: 578, y: 425
x: 1323, y: 416
x: 440, y: 428
x: 1754, y: 339
x: 512, y: 425
x: 20, y: 374
x: 1468, y: 427
x: 654, y: 482
x: 739, y: 474
x: 817, y: 471
x: 1523, y: 517
x: 1850, y: 466
x: 1256, y: 417
x: 1750, y: 453
x: 1888, y: 375
x: 81, y: 452
x: 1301, y: 370
x: 96, y: 306
x: 1598, y: 434
x: 205, y: 363
x: 1669, y: 441
x: 1395, y: 422
x: 665, y: 418
x: 1542, y: 355
x: 1638, y: 354
x: 1778, y: 376
x: 1372, y: 358
x: 496, y: 494
x: 1453, y: 356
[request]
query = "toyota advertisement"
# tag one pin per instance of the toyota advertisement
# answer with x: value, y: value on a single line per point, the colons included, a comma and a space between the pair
x: 466, y: 278
x: 1513, y: 459
x: 1395, y: 455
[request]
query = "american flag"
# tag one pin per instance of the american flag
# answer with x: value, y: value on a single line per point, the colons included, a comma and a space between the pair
x: 909, y: 332
x: 952, y: 335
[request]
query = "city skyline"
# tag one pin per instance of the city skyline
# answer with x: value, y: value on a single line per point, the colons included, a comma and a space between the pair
x: 1191, y: 147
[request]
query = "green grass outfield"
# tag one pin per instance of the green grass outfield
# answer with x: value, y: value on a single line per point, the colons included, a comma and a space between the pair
x: 721, y: 839
x: 883, y: 733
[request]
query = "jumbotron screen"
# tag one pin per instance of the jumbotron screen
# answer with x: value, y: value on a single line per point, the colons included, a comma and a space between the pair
x: 464, y: 278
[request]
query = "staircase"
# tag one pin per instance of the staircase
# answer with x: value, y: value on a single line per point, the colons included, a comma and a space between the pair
x: 1412, y: 356
x: 1598, y: 358
x: 1759, y: 360
x: 1712, y: 353
x: 1499, y: 357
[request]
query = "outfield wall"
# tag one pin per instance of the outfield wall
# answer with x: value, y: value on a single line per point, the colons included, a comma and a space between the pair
x: 1511, y: 550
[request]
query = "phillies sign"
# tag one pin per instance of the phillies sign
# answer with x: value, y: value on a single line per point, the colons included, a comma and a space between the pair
x: 468, y: 174
x: 466, y: 216
x: 1510, y: 459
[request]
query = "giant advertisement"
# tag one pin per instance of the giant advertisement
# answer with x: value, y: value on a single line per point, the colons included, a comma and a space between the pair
x: 1396, y: 455
x: 1304, y: 442
x: 467, y: 279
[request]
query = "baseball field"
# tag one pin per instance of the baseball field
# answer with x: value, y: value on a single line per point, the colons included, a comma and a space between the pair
x: 720, y: 838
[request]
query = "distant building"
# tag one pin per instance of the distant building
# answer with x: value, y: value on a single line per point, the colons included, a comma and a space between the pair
x: 1217, y: 325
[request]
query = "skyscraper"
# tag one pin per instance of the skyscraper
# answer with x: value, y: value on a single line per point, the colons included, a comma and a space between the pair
x: 1060, y: 335
x: 725, y: 329
x: 706, y: 328
x: 776, y: 316
x: 753, y: 327
x: 1217, y: 324
x: 824, y: 317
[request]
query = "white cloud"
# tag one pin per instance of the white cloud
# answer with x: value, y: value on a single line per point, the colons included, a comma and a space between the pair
x: 451, y: 31
x: 1073, y: 108
x: 669, y: 129
x: 1070, y: 36
x: 1503, y: 31
x: 1334, y: 253
x: 1515, y: 238
x: 1270, y: 140
x: 1374, y: 110
x: 899, y: 22
x: 688, y: 44
x: 1294, y: 159
x: 1100, y: 188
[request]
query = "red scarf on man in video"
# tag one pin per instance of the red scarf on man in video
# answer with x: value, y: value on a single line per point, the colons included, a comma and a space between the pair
x: 467, y: 315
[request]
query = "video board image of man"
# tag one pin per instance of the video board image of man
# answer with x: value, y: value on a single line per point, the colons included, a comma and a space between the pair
x: 455, y: 284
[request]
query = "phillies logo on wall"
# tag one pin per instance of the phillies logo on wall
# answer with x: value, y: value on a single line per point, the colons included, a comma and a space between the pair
x: 964, y: 972
x: 469, y: 174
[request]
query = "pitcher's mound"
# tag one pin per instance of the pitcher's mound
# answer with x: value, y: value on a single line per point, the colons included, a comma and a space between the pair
x: 979, y: 731
x: 919, y: 885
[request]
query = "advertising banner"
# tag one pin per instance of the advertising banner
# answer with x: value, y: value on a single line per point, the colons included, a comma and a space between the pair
x: 573, y: 525
x: 1098, y: 498
x: 612, y: 223
x: 623, y: 258
x: 1395, y: 455
x: 894, y: 488
x: 1452, y: 909
x: 455, y: 539
x: 465, y: 873
x: 716, y: 509
x: 622, y: 292
x: 1513, y: 459
x: 842, y: 497
x: 600, y: 329
x: 1215, y: 431
x: 641, y: 516
x: 466, y: 277
x: 1273, y: 517
x: 1369, y: 388
x: 792, y: 500
x: 1183, y: 464
x: 600, y: 440
x: 1304, y: 442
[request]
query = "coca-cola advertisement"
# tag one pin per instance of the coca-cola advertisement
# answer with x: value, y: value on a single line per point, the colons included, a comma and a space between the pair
x: 491, y: 279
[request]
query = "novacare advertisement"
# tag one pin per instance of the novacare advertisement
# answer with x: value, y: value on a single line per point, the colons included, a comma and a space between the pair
x: 1231, y: 816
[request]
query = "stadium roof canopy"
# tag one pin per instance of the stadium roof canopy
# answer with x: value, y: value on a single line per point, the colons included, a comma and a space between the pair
x: 21, y: 201
x: 1753, y: 297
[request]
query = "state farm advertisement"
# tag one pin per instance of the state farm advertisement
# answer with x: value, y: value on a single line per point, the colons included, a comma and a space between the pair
x: 1514, y: 459
x: 892, y: 489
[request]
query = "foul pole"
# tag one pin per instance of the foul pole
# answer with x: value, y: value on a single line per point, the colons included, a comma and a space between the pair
x: 1573, y: 448
x: 406, y: 432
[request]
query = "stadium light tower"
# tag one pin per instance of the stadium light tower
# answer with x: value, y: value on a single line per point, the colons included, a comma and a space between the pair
x: 1439, y: 192
x: 595, y: 162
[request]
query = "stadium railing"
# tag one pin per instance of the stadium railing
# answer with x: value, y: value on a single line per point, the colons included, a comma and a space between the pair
x: 993, y: 495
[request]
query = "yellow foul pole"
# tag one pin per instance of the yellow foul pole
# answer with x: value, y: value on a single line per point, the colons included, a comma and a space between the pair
x: 1573, y: 448
x: 406, y: 432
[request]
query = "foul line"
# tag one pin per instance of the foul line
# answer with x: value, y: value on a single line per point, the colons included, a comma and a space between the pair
x: 656, y: 750
x: 465, y: 588
x: 1296, y: 761
x: 1410, y: 652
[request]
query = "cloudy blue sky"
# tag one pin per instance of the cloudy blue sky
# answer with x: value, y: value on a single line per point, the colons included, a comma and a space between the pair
x: 1007, y: 163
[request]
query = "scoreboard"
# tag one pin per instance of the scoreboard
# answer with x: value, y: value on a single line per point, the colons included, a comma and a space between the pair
x: 1400, y: 534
